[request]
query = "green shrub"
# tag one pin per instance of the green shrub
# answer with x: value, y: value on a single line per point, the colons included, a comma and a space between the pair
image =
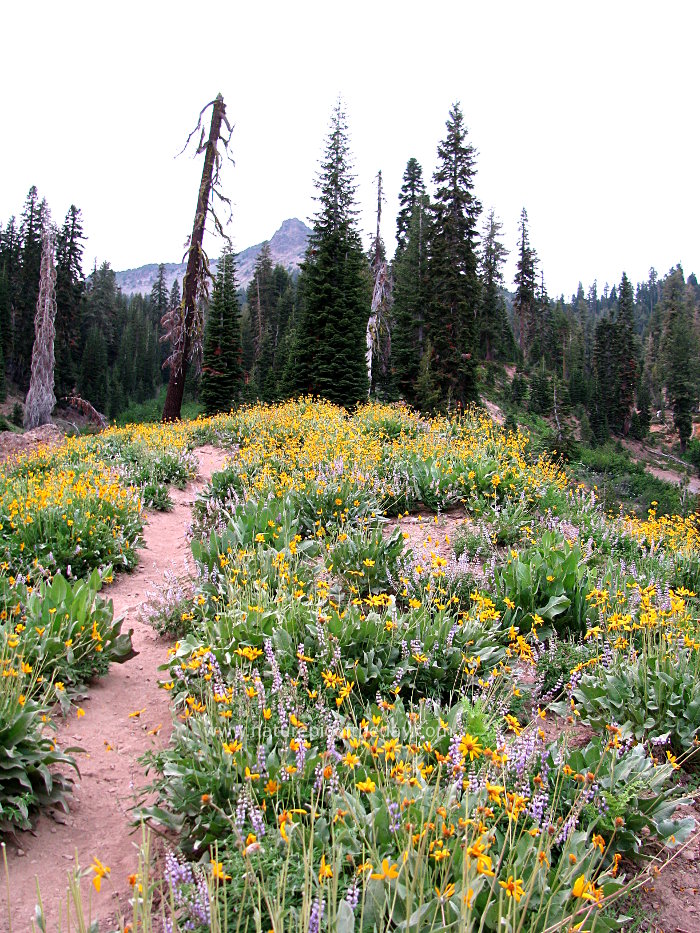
x: 27, y: 757
x: 65, y: 632
x: 367, y: 560
x: 548, y: 580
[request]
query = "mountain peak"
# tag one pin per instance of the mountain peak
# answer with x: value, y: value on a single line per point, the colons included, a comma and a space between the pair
x: 287, y: 248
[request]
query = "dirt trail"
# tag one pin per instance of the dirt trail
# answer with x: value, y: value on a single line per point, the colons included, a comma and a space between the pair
x: 670, y: 476
x: 640, y: 453
x: 98, y: 824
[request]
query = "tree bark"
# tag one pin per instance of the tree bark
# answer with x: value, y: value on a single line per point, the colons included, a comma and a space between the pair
x: 193, y: 274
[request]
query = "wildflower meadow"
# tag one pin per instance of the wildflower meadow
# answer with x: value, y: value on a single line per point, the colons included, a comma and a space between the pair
x: 420, y: 681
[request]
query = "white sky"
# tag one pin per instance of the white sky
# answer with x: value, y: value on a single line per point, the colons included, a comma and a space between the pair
x: 584, y: 113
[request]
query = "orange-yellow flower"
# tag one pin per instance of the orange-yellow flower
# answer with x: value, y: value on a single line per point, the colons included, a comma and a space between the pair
x: 325, y: 870
x: 101, y: 871
x: 388, y: 871
x: 586, y: 890
x: 217, y: 871
x: 513, y: 887
x: 468, y: 745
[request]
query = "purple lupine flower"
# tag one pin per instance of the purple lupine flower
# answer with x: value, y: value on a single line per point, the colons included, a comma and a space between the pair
x: 316, y: 916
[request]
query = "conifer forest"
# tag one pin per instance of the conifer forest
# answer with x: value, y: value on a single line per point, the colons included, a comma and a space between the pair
x: 358, y: 595
x: 446, y: 325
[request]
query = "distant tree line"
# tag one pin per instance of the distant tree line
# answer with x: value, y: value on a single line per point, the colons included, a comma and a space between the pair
x: 107, y: 344
x: 613, y: 357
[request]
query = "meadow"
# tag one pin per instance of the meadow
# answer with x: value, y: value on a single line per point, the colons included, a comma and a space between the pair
x: 492, y: 731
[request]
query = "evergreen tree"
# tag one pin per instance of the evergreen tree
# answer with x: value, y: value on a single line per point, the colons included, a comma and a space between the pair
x: 542, y: 335
x: 412, y: 193
x: 10, y: 270
x: 28, y: 291
x: 495, y: 336
x: 94, y: 373
x: 260, y: 297
x: 160, y: 299
x: 269, y: 365
x: 427, y: 392
x: 453, y: 280
x: 410, y: 269
x: 174, y: 301
x: 641, y: 418
x: 247, y: 356
x: 597, y: 414
x: 540, y: 391
x: 175, y: 296
x: 284, y: 365
x: 605, y: 369
x: 102, y: 308
x: 335, y: 290
x: 625, y: 358
x: 680, y: 354
x: 221, y: 363
x: 3, y: 383
x: 70, y: 291
x: 525, y: 302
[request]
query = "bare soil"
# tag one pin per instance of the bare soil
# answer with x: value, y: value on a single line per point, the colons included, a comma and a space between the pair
x: 126, y: 714
x: 428, y: 535
x: 495, y: 413
x: 670, y: 893
x: 12, y: 444
x: 645, y: 455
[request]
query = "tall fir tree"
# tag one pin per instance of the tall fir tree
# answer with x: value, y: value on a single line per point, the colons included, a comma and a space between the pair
x: 93, y: 380
x: 412, y: 193
x: 525, y: 301
x: 70, y: 292
x: 260, y: 296
x: 101, y: 308
x: 28, y: 291
x: 680, y: 354
x: 626, y: 374
x: 336, y: 286
x: 175, y: 297
x: 10, y: 271
x: 3, y: 382
x: 495, y: 336
x: 453, y: 266
x: 541, y: 332
x: 174, y: 302
x: 160, y: 299
x: 605, y: 372
x: 410, y: 272
x: 221, y: 361
x: 275, y: 385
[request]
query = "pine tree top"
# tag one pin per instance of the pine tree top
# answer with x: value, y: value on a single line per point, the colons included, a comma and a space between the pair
x: 336, y: 182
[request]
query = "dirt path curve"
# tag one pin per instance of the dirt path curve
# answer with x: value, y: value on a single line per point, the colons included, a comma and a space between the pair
x: 670, y: 476
x: 98, y: 823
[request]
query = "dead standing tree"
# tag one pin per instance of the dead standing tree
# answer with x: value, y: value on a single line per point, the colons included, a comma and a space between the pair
x: 41, y: 400
x: 183, y: 326
x: 378, y: 331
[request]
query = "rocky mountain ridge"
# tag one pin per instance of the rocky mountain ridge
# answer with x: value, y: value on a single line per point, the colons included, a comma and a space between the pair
x: 287, y: 247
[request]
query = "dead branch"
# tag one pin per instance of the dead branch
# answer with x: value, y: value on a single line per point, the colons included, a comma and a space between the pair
x: 85, y: 408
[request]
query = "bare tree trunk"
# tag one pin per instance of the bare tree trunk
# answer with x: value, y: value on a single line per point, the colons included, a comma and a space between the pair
x: 40, y: 398
x: 196, y: 265
x: 381, y: 295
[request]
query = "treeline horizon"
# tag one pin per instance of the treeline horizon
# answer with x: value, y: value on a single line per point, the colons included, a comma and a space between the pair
x: 443, y: 316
